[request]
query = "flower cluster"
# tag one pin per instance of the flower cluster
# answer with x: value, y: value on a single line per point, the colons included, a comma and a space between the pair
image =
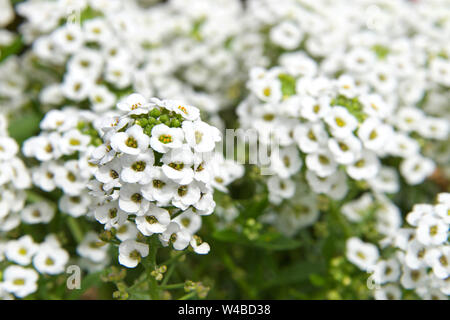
x: 63, y: 147
x: 421, y: 258
x: 153, y: 169
x: 396, y: 49
x: 180, y: 49
x: 344, y: 106
x: 14, y: 179
x: 339, y: 131
x: 19, y: 278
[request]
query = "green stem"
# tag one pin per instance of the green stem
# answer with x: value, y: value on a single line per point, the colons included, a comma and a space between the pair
x: 188, y: 296
x: 151, y: 266
x: 174, y: 258
x: 75, y: 229
x: 173, y: 286
x: 168, y: 274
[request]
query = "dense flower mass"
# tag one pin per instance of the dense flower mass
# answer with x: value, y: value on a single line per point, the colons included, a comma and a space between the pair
x: 420, y: 260
x: 295, y: 146
x: 154, y: 169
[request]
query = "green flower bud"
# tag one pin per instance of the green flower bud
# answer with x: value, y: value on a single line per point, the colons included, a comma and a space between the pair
x: 155, y: 113
x: 175, y: 123
x: 164, y: 118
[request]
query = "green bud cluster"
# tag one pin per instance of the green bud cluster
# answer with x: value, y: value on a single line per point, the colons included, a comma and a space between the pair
x: 89, y: 130
x: 252, y: 229
x: 288, y: 84
x: 353, y: 106
x: 158, y: 116
x: 381, y: 51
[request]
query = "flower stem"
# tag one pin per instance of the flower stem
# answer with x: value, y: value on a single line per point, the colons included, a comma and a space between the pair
x: 173, y: 286
x: 153, y: 286
x: 188, y: 296
x: 75, y: 229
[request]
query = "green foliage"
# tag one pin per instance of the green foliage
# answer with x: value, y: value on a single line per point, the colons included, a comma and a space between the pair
x: 287, y: 84
x: 14, y: 48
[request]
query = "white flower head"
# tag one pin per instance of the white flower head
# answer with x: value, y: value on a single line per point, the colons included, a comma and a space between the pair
x: 131, y: 252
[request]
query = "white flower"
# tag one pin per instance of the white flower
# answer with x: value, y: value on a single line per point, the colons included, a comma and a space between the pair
x: 188, y: 112
x: 346, y: 86
x: 43, y: 175
x: 73, y: 141
x: 155, y: 220
x: 199, y: 246
x: 310, y: 137
x: 285, y: 162
x: 439, y: 258
x: 76, y: 206
x: 37, y: 213
x: 321, y: 163
x: 109, y: 174
x: 418, y: 212
x: 189, y: 220
x: 280, y: 189
x: 346, y: 150
x: 375, y: 106
x: 164, y: 138
x: 21, y: 251
x: 133, y: 141
x: 314, y: 109
x: 76, y: 86
x: 160, y: 189
x: 443, y: 211
x: 374, y: 134
x: 432, y: 231
x: 416, y: 169
x: 50, y: 259
x: 201, y: 136
x: 68, y: 178
x: 413, y: 278
x: 409, y: 119
x: 137, y: 169
x: 386, y: 271
x: 415, y: 254
x: 176, y: 236
x: 127, y: 231
x: 131, y: 252
x: 365, y: 168
x: 187, y: 195
x: 20, y: 281
x: 178, y: 165
x: 363, y: 255
x: 287, y: 35
x: 388, y: 292
x: 357, y: 210
x: 341, y: 122
x: 8, y: 148
x: 68, y: 38
x: 134, y: 104
x: 434, y: 128
x: 101, y: 98
x: 110, y: 215
x: 131, y: 199
x: 402, y: 145
x: 92, y: 248
x: 386, y: 181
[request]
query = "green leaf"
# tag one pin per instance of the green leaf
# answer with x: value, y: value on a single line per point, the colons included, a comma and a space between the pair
x: 381, y: 51
x: 299, y: 272
x: 24, y: 127
x: 268, y: 241
x: 14, y: 48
